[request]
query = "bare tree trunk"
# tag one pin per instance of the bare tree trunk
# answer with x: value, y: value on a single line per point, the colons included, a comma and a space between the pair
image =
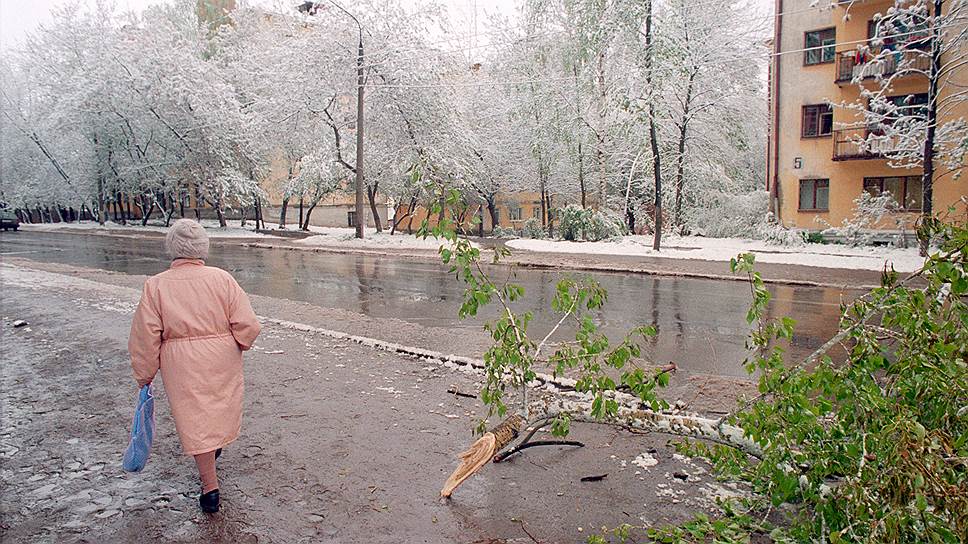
x: 443, y: 207
x: 653, y: 134
x: 102, y: 211
x: 282, y: 212
x: 551, y: 217
x: 146, y: 209
x: 221, y: 215
x: 581, y: 177
x: 492, y: 211
x: 600, y: 150
x: 301, y: 211
x: 371, y: 196
x: 411, y: 207
x: 542, y: 187
x: 681, y: 158
x: 169, y: 214
x: 927, y: 180
x: 309, y: 213
x: 259, y: 220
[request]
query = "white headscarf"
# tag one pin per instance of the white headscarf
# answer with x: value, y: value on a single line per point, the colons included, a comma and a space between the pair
x: 186, y: 239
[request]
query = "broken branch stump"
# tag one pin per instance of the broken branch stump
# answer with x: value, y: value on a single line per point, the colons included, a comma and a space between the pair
x: 482, y: 451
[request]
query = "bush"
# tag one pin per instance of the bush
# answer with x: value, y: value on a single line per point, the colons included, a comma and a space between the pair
x: 746, y: 215
x: 815, y: 238
x: 870, y: 444
x: 774, y: 233
x: 533, y: 229
x: 587, y: 225
x: 869, y: 212
x: 722, y: 215
x: 501, y: 232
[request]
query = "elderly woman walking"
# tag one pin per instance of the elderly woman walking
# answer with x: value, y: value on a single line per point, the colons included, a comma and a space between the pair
x: 193, y: 323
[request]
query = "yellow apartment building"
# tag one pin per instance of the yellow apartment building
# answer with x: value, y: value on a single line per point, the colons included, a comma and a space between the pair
x: 816, y: 165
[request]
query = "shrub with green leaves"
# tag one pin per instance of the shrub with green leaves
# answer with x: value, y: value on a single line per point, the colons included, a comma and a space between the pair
x: 533, y: 229
x: 504, y: 233
x: 866, y: 440
x: 870, y: 445
x: 587, y: 225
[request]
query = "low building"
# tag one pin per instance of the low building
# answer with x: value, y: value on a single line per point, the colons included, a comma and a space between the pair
x: 511, y: 211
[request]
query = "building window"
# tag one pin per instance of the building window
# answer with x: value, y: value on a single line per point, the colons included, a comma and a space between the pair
x: 350, y: 219
x: 820, y: 46
x: 515, y: 213
x: 497, y: 218
x: 818, y: 120
x: 814, y: 195
x: 902, y: 109
x: 905, y: 190
x: 899, y: 32
x: 536, y: 212
x: 909, y: 106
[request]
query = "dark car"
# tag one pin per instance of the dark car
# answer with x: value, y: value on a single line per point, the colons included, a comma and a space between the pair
x: 9, y: 220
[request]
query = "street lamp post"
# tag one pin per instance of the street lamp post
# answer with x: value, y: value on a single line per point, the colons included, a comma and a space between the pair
x: 360, y: 218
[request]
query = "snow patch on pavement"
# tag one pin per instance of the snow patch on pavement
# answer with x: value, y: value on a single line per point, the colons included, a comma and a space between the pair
x: 346, y: 238
x: 233, y: 230
x: 723, y: 249
x: 645, y: 460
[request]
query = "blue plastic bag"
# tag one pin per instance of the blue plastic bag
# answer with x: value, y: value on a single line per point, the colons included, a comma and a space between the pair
x: 142, y: 432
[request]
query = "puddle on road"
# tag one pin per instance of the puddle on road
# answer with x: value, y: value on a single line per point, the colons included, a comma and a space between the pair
x: 701, y: 322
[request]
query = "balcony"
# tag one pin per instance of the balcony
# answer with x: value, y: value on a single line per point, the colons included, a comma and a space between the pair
x: 851, y: 144
x: 850, y: 68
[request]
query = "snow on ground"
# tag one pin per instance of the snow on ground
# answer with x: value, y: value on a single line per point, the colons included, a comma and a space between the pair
x: 233, y: 230
x: 345, y: 237
x: 723, y: 249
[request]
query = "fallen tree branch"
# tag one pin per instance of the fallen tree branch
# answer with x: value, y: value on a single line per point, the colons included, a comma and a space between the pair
x: 504, y: 455
x: 459, y: 393
x: 482, y: 451
x: 688, y: 426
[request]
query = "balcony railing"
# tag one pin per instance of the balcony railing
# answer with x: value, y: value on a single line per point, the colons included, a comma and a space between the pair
x: 852, y: 144
x: 851, y: 65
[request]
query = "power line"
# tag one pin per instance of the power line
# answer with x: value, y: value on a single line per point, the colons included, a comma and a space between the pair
x: 426, y: 47
x: 717, y: 62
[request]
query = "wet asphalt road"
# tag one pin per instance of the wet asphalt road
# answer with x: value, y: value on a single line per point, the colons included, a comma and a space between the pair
x: 701, y: 322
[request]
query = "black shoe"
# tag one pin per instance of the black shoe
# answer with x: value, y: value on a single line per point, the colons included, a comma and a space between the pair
x: 218, y: 453
x: 209, y: 502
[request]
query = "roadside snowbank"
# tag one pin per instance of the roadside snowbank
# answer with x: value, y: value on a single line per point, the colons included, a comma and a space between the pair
x: 723, y: 249
x: 233, y: 230
x: 345, y: 237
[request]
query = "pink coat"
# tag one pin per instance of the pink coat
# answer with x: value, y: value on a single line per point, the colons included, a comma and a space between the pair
x: 193, y: 323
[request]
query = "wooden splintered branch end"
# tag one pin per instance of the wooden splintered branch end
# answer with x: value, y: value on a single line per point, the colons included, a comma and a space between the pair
x: 482, y: 451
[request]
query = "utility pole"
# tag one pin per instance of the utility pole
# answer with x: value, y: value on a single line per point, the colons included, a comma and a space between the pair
x: 360, y: 210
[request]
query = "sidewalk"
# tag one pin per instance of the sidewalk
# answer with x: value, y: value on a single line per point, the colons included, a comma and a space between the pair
x: 341, y: 442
